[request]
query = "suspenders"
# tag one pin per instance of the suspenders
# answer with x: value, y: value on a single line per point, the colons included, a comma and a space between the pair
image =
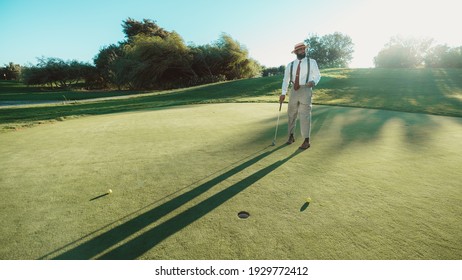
x: 307, y: 73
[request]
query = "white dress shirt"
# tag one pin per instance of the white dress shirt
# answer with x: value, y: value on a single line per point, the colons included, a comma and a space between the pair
x: 314, y: 77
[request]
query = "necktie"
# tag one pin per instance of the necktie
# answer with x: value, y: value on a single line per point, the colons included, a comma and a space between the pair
x: 297, y: 77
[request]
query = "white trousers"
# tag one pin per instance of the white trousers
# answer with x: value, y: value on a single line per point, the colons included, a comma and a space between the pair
x: 300, y: 106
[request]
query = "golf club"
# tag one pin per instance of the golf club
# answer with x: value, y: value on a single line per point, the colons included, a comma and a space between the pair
x: 277, y: 124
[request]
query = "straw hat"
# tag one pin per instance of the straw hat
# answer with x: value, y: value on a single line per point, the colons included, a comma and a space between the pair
x: 299, y: 46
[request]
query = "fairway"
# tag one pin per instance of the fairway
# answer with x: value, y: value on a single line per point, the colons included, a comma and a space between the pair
x: 383, y: 185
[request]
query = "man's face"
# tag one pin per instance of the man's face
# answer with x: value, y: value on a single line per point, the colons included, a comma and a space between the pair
x: 300, y: 51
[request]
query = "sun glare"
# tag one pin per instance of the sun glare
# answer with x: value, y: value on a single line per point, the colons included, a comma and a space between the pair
x: 372, y: 24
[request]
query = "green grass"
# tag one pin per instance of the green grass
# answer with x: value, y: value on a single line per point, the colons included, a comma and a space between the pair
x: 16, y: 91
x: 384, y: 184
x: 251, y: 90
x: 431, y: 91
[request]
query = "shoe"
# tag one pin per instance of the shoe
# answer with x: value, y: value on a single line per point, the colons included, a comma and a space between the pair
x: 291, y: 139
x: 306, y: 144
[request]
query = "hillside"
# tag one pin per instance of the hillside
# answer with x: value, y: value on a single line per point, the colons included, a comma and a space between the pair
x: 431, y: 91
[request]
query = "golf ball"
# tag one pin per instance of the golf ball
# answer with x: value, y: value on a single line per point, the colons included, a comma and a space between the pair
x: 109, y: 191
x: 308, y: 199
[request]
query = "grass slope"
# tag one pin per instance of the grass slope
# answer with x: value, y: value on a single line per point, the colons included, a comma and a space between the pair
x: 251, y: 90
x: 385, y: 185
x: 16, y: 91
x: 433, y: 91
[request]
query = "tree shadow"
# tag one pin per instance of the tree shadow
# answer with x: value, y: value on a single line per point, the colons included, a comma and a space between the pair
x: 146, y: 241
x: 353, y: 126
x: 343, y: 127
x: 429, y: 91
x: 448, y: 83
x: 361, y: 126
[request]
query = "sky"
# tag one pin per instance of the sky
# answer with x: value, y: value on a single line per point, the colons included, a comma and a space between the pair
x: 268, y: 29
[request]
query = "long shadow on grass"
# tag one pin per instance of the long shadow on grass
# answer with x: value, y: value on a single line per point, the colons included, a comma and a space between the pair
x: 132, y: 214
x: 146, y: 241
x: 103, y: 242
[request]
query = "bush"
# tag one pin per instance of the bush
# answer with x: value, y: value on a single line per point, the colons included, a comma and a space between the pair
x: 55, y: 72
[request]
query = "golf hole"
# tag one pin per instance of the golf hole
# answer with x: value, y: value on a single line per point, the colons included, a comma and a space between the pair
x: 243, y: 215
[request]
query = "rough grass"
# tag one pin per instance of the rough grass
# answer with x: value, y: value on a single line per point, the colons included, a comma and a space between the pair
x: 14, y: 91
x: 430, y: 91
x: 384, y: 185
x: 251, y: 90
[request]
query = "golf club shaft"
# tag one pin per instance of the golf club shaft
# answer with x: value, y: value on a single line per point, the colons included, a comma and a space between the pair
x: 277, y: 123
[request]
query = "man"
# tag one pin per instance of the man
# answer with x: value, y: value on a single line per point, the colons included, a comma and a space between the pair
x: 302, y: 75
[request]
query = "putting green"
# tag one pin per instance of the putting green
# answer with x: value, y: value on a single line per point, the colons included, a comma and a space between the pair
x: 383, y: 185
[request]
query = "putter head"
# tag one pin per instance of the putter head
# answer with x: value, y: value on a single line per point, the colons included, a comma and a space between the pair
x: 273, y: 144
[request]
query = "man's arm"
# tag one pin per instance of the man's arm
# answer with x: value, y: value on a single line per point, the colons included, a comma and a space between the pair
x: 316, y: 77
x: 286, y: 80
x: 285, y: 83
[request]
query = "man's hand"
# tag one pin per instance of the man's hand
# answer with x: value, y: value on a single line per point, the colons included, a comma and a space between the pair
x: 310, y: 84
x: 282, y: 98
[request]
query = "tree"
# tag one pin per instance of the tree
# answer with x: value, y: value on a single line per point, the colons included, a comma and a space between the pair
x: 233, y: 59
x: 157, y: 61
x: 444, y: 56
x: 403, y: 52
x: 11, y: 71
x: 57, y: 72
x: 396, y: 57
x: 273, y: 71
x: 453, y: 58
x: 147, y: 27
x: 152, y: 57
x: 436, y: 56
x: 205, y: 60
x: 106, y: 64
x: 332, y: 50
